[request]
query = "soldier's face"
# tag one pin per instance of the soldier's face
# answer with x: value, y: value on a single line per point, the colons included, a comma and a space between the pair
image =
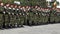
x: 7, y: 5
x: 36, y: 6
x: 11, y: 5
x: 19, y: 7
x: 27, y: 7
x: 15, y: 6
x: 2, y: 4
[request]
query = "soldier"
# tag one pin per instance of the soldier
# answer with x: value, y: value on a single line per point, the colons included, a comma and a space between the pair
x: 12, y: 16
x: 57, y: 16
x: 35, y: 15
x: 39, y: 15
x: 17, y: 16
x: 42, y: 16
x: 46, y: 15
x: 52, y: 12
x: 31, y: 17
x: 26, y: 14
x: 1, y: 15
x: 21, y: 18
x: 7, y: 18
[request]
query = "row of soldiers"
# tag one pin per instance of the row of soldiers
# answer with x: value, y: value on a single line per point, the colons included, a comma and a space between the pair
x: 12, y: 16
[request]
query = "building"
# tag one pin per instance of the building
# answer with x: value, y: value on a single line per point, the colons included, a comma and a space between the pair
x: 49, y: 3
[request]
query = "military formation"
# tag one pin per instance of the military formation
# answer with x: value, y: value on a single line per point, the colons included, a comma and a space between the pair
x: 13, y: 16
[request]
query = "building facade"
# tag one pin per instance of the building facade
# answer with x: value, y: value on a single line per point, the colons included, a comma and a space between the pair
x: 49, y: 3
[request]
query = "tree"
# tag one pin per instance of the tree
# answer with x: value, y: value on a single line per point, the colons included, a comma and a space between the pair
x: 41, y: 3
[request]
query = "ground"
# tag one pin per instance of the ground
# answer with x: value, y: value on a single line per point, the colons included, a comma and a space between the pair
x: 41, y: 29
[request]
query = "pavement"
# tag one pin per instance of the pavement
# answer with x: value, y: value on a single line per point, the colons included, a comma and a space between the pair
x: 41, y: 29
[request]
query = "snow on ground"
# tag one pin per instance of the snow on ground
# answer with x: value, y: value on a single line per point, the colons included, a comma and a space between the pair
x: 42, y: 29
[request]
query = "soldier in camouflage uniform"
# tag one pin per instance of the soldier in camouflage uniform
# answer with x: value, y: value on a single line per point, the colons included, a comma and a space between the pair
x: 1, y: 15
x: 17, y: 17
x: 21, y: 17
x: 29, y: 17
x: 39, y: 15
x: 46, y: 16
x: 35, y: 16
x: 7, y: 18
x: 27, y: 9
x: 57, y: 16
x: 42, y: 17
x: 52, y: 16
x: 12, y: 16
x: 26, y: 14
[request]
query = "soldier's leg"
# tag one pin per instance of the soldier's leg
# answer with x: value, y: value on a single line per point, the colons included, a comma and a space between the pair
x: 0, y: 26
x: 17, y: 22
x: 1, y: 21
x: 35, y: 20
x: 6, y: 21
x: 30, y: 23
x: 57, y: 19
x: 25, y: 20
x: 22, y: 23
x: 11, y: 20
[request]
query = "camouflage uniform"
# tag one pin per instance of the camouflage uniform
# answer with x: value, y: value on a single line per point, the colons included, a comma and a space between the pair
x: 1, y: 16
x: 35, y: 17
x: 26, y: 20
x: 46, y: 17
x: 43, y: 17
x: 7, y: 17
x: 17, y: 17
x: 52, y: 16
x: 21, y: 17
x: 31, y: 17
x: 39, y: 17
x: 12, y: 17
x: 57, y: 17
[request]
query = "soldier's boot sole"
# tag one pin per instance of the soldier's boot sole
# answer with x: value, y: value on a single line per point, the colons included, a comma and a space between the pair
x: 21, y: 25
x: 1, y: 28
x: 30, y: 23
x: 6, y: 27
